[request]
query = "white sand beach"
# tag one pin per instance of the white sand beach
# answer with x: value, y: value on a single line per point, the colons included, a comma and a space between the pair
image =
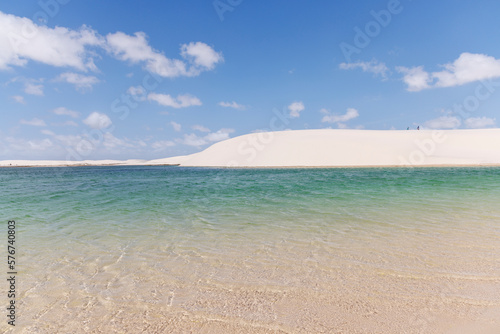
x: 329, y: 148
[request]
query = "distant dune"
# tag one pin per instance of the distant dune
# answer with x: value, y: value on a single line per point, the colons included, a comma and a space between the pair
x: 332, y: 148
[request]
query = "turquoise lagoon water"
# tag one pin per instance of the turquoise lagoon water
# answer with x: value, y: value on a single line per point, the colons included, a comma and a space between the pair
x: 170, y: 249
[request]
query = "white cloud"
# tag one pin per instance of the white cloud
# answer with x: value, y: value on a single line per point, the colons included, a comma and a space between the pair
x: 443, y: 122
x: 351, y: 113
x: 138, y: 92
x: 233, y: 105
x: 468, y: 67
x: 295, y: 109
x: 372, y: 66
x: 416, y: 78
x: 65, y: 111
x: 19, y: 99
x: 479, y: 122
x: 195, y: 140
x: 86, y: 146
x: 60, y: 47
x: 97, y: 120
x: 222, y: 134
x: 81, y: 82
x: 110, y: 142
x: 31, y: 86
x: 342, y: 126
x: 33, y: 89
x: 34, y: 122
x: 29, y: 147
x: 66, y: 140
x: 161, y: 145
x: 22, y: 40
x: 181, y: 101
x: 177, y: 127
x: 202, y: 55
x: 200, y: 128
x: 136, y: 49
x: 40, y: 145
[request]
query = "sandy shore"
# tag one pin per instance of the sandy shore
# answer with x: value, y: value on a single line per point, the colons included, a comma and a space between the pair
x: 329, y: 148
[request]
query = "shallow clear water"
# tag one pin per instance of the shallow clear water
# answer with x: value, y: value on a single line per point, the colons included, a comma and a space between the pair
x: 170, y: 249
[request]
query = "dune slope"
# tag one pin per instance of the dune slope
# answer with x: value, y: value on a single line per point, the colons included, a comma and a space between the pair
x: 327, y: 147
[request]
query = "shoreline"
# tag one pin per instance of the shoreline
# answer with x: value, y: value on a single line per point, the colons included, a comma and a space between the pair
x: 265, y: 167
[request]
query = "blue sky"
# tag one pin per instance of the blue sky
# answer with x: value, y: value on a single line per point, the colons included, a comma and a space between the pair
x: 151, y: 79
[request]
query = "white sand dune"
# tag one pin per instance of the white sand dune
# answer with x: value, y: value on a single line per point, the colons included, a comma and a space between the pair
x: 331, y: 148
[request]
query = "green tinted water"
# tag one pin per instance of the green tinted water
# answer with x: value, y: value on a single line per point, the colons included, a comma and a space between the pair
x: 93, y: 240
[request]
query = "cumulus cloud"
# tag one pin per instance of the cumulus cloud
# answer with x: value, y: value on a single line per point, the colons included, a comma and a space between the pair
x: 162, y: 144
x: 64, y: 111
x: 31, y: 86
x: 111, y: 142
x: 136, y: 49
x: 177, y: 127
x: 233, y: 105
x: 87, y: 146
x: 33, y: 89
x: 443, y: 122
x: 34, y: 122
x: 200, y: 128
x: 295, y: 109
x: 29, y: 148
x: 181, y: 101
x: 468, y: 67
x: 193, y: 139
x: 351, y: 113
x: 415, y: 78
x: 201, y: 55
x: 19, y: 99
x: 222, y: 134
x: 81, y: 82
x: 138, y: 92
x: 373, y: 66
x: 22, y: 40
x: 479, y: 122
x: 60, y: 47
x: 97, y: 121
